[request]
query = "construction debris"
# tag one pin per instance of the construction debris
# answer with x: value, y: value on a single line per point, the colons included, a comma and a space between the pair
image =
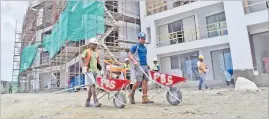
x: 243, y: 84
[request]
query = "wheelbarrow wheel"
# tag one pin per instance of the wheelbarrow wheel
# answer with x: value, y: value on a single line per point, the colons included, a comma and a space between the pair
x: 176, y: 93
x: 119, y: 100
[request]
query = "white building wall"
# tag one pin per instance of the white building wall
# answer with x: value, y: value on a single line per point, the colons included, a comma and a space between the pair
x: 238, y: 35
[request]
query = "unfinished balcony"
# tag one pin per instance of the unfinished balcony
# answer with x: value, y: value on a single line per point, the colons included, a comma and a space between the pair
x: 156, y: 6
x: 189, y: 35
x: 252, y: 6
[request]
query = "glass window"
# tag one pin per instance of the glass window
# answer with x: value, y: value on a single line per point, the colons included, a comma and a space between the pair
x: 221, y: 61
x: 216, y: 25
x: 174, y: 62
x: 189, y: 65
x: 176, y: 32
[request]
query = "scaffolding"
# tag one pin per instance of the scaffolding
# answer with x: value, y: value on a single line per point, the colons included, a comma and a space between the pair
x: 66, y: 64
x: 16, y: 58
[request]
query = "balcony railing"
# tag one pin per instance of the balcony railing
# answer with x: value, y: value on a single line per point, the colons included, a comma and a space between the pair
x: 156, y: 6
x: 208, y: 31
x: 44, y: 60
x: 255, y: 5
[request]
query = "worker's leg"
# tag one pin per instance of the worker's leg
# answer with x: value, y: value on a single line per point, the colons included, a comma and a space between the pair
x: 88, y: 98
x: 87, y: 83
x: 93, y: 91
x: 145, y: 98
x: 131, y: 95
x: 200, y: 82
x: 138, y: 77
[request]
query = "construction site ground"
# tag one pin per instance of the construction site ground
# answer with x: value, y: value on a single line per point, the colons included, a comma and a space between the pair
x: 214, y: 103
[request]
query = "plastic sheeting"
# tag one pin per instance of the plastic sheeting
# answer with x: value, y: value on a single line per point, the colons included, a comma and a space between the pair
x: 79, y: 21
x: 77, y: 81
x: 27, y: 56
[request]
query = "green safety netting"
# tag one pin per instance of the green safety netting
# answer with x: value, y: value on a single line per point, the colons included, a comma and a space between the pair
x: 79, y: 21
x: 27, y: 56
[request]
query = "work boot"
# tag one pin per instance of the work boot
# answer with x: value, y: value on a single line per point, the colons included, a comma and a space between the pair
x: 145, y: 100
x: 131, y: 98
x: 88, y: 103
x: 97, y: 104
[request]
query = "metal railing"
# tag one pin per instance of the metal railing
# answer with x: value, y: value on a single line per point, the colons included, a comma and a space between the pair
x: 44, y: 60
x: 188, y: 35
x: 162, y: 5
x: 255, y: 6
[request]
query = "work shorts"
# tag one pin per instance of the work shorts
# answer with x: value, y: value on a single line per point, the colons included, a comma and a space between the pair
x: 90, y: 78
x: 139, y: 74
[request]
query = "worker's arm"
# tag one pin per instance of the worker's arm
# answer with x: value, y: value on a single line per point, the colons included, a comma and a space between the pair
x: 83, y: 56
x: 131, y: 56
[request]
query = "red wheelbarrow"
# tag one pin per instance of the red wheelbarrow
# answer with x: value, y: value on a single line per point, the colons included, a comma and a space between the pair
x: 114, y: 88
x: 173, y: 94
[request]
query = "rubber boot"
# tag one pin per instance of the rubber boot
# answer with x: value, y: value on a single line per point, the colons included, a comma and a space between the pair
x: 145, y: 100
x: 131, y: 98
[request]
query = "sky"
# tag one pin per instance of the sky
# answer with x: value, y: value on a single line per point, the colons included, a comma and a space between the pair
x: 11, y: 11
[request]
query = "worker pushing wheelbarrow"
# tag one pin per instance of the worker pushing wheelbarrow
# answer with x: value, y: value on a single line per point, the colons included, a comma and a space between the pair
x: 98, y: 85
x: 138, y: 55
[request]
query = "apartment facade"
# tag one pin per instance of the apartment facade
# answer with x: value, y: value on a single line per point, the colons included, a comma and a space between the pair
x: 229, y: 34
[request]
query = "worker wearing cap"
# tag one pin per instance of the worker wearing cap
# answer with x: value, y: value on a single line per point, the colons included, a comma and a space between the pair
x: 156, y: 66
x: 90, y: 58
x: 202, y: 68
x: 138, y: 54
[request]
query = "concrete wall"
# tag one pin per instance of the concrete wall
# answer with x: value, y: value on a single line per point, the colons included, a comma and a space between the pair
x: 165, y: 60
x: 45, y: 80
x: 235, y: 24
x: 261, y: 80
x: 258, y: 28
x: 200, y: 18
x: 188, y: 46
x: 63, y: 78
x: 255, y: 17
x: 132, y: 8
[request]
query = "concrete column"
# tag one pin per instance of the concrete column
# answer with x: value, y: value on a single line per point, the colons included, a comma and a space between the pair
x: 238, y: 35
x: 238, y: 39
x: 152, y: 45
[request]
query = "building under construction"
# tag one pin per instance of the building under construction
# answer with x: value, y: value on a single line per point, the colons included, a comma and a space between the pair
x: 54, y: 34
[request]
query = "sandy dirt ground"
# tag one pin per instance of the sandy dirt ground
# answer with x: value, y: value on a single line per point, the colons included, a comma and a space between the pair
x: 215, y: 103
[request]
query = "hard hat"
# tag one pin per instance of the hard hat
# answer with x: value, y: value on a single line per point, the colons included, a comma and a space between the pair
x: 126, y: 59
x: 155, y: 59
x: 141, y: 35
x: 201, y: 57
x: 94, y: 41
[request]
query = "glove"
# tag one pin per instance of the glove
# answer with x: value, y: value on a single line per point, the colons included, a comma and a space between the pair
x: 84, y: 70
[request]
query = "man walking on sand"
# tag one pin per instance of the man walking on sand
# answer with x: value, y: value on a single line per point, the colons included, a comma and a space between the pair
x: 138, y: 54
x: 90, y: 58
x: 202, y: 71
